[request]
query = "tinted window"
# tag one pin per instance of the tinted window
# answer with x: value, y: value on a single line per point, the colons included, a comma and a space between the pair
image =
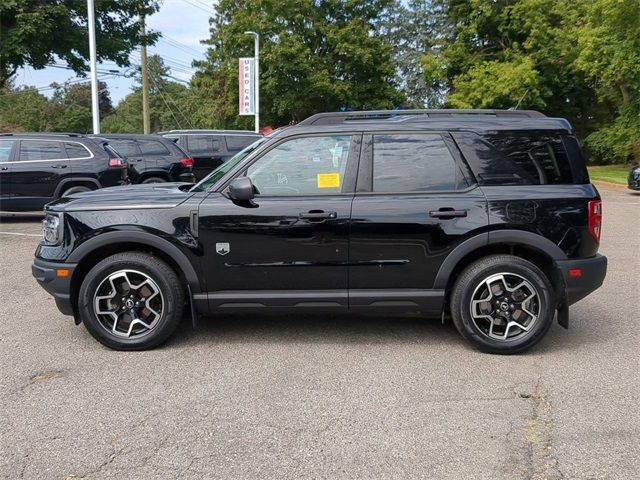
x: 174, y: 139
x: 542, y: 157
x: 203, y: 144
x: 126, y: 148
x: 238, y: 142
x: 40, y: 150
x: 302, y: 166
x: 412, y: 163
x: 76, y: 150
x: 151, y: 147
x: 5, y: 149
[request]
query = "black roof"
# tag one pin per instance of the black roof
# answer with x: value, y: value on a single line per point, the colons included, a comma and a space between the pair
x: 42, y: 134
x: 220, y: 132
x: 446, y: 119
x: 132, y: 136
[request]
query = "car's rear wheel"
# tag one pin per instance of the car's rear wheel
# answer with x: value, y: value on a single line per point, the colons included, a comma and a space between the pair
x: 154, y: 180
x: 76, y: 189
x: 131, y: 301
x: 502, y: 304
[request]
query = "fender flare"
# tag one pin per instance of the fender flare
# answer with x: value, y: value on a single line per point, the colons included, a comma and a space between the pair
x: 141, y: 238
x: 497, y: 237
x: 62, y: 185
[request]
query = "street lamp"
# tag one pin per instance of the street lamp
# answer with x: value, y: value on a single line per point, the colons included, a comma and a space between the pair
x: 95, y: 110
x: 256, y: 54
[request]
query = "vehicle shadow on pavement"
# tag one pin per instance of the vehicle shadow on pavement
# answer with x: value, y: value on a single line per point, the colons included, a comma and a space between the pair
x: 354, y: 329
x: 315, y: 328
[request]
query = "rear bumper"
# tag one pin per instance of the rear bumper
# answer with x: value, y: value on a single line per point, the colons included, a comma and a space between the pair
x: 591, y: 275
x: 59, y: 287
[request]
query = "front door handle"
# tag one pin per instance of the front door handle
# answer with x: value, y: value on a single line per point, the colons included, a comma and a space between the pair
x: 58, y: 166
x: 4, y: 168
x: 447, y: 213
x: 318, y: 215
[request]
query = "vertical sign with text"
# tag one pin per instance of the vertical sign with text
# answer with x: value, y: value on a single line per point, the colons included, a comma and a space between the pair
x: 246, y: 69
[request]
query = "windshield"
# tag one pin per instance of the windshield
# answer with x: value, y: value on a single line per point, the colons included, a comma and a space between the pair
x: 208, y: 181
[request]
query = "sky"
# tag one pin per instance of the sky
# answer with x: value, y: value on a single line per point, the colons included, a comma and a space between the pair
x: 182, y: 23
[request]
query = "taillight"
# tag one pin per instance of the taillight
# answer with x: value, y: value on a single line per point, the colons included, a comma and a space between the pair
x: 116, y: 162
x: 595, y: 219
x: 186, y: 162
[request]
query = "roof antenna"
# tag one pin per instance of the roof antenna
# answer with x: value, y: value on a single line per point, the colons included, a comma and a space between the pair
x: 520, y: 101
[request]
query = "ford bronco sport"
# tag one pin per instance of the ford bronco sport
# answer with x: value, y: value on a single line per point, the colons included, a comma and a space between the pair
x: 485, y: 216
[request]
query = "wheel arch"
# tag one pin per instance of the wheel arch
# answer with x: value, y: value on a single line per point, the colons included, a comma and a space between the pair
x: 102, y: 246
x: 76, y: 182
x: 530, y: 246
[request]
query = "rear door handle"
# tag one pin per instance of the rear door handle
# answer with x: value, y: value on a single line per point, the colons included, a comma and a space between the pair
x: 447, y: 212
x: 58, y: 166
x: 4, y: 168
x: 318, y: 215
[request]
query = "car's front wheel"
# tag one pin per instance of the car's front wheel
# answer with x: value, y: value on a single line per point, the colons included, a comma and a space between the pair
x: 502, y: 304
x: 131, y: 301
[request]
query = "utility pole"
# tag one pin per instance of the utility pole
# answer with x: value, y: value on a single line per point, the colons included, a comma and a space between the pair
x: 256, y: 55
x: 146, y: 119
x: 95, y: 108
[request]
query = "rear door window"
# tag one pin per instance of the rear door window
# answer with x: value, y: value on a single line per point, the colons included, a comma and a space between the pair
x: 41, y: 150
x: 153, y: 147
x: 5, y: 150
x: 203, y: 143
x: 412, y: 163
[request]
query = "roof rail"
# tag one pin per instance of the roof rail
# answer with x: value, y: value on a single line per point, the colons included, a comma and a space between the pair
x: 48, y: 134
x: 332, y: 118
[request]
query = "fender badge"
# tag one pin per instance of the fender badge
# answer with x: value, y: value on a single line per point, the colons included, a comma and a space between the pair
x: 222, y: 248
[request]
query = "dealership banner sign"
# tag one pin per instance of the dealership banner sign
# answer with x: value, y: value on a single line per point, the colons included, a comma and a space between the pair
x: 247, y: 86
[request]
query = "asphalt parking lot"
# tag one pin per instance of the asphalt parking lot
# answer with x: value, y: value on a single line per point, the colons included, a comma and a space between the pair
x: 318, y: 397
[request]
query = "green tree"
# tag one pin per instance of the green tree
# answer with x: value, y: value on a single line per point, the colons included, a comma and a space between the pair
x: 315, y: 56
x: 609, y: 53
x: 23, y: 109
x: 515, y: 53
x: 33, y: 32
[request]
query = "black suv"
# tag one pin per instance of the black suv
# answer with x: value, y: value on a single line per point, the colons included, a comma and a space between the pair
x: 36, y: 168
x: 486, y: 216
x: 211, y: 148
x: 152, y: 159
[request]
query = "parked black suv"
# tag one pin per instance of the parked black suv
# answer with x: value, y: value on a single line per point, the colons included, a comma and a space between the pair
x: 211, y: 148
x: 152, y: 159
x: 486, y: 216
x: 36, y: 168
x: 633, y: 180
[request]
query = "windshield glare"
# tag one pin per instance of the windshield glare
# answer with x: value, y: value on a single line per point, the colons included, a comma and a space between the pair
x: 207, y: 182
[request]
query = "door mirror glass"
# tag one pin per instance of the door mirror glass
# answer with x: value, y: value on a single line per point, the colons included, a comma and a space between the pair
x: 241, y: 189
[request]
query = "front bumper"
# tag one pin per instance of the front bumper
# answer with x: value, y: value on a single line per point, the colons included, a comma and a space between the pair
x: 47, y: 275
x: 591, y: 275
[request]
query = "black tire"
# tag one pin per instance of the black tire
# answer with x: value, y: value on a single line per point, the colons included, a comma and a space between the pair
x: 77, y: 189
x: 472, y: 280
x: 164, y: 279
x: 154, y: 180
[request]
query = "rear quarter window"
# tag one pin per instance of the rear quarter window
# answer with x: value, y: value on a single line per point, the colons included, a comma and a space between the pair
x: 76, y: 150
x: 516, y: 158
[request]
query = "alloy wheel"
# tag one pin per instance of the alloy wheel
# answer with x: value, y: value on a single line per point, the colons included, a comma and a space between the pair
x: 505, y: 306
x: 128, y: 303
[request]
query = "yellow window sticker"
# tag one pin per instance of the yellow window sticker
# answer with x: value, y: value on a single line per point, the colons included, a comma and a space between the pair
x: 328, y: 180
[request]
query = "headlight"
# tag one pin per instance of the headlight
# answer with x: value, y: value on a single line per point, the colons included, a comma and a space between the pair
x: 52, y: 229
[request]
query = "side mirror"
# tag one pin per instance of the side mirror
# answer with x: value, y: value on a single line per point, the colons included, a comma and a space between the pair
x: 241, y: 189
